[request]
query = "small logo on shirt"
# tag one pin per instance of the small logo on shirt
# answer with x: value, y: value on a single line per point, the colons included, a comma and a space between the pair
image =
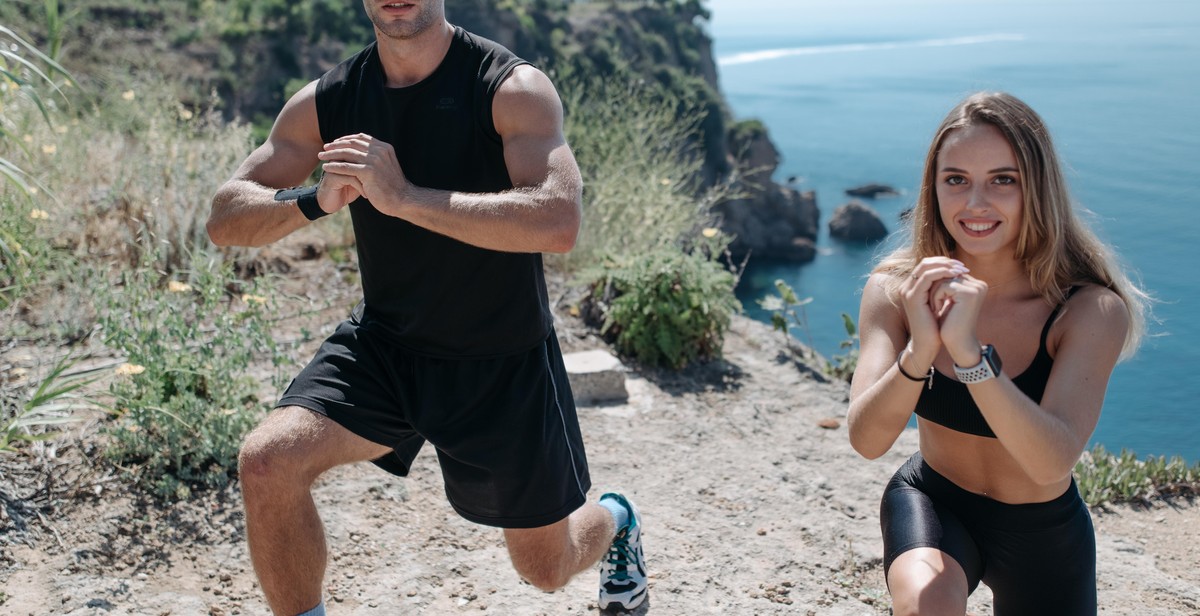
x: 446, y: 102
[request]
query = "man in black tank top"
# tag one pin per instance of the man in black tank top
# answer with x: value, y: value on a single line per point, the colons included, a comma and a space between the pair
x: 448, y: 152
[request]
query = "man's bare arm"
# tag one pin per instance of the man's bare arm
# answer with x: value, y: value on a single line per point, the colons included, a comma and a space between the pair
x: 540, y: 214
x: 244, y: 211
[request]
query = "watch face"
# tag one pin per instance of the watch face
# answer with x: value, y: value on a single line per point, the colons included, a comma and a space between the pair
x: 992, y: 358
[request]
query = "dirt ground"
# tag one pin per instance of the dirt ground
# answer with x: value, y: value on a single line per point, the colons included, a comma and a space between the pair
x: 753, y: 503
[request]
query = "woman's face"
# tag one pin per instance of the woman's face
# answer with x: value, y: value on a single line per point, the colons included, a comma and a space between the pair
x: 979, y: 190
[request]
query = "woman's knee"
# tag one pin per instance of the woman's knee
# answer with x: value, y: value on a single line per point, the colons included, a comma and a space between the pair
x: 927, y: 582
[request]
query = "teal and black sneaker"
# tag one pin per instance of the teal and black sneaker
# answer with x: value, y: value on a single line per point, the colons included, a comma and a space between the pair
x: 623, y: 570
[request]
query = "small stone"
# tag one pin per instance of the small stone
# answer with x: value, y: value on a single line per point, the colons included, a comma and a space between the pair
x: 829, y: 423
x: 762, y: 531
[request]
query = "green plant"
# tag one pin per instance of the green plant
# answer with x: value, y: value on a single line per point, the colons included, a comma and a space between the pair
x: 843, y: 365
x: 184, y: 400
x: 1104, y: 477
x: 787, y: 310
x: 668, y: 307
x: 24, y: 414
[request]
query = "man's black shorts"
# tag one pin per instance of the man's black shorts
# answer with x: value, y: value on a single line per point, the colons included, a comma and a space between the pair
x: 504, y: 428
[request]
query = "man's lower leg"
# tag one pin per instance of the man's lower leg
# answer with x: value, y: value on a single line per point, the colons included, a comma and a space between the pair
x: 287, y: 548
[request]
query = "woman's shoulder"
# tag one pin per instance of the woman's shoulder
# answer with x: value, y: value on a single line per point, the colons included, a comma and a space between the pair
x: 882, y: 286
x: 1096, y: 306
x: 1092, y: 294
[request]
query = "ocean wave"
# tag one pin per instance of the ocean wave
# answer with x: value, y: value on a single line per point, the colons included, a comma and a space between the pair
x: 772, y: 54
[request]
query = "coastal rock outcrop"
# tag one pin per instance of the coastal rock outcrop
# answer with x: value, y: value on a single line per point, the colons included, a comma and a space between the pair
x: 856, y: 222
x: 771, y: 221
x: 871, y: 191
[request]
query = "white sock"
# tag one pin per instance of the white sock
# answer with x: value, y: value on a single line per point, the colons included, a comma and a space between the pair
x: 619, y: 513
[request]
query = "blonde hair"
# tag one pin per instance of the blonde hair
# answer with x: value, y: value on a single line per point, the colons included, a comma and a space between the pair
x: 1053, y: 245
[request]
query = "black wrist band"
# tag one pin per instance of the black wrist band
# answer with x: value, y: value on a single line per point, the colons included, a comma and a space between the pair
x: 306, y: 200
x: 900, y: 367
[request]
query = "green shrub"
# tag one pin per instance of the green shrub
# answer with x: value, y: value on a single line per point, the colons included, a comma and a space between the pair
x: 665, y: 308
x: 1104, y: 477
x: 184, y: 401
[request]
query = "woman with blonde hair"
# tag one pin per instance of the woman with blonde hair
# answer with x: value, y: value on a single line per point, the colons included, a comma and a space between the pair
x: 998, y: 265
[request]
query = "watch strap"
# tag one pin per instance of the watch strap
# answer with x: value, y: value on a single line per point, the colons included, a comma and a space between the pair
x: 305, y: 198
x: 987, y: 368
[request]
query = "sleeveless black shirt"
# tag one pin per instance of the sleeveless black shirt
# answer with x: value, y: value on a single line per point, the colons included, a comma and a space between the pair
x: 427, y: 292
x: 949, y: 403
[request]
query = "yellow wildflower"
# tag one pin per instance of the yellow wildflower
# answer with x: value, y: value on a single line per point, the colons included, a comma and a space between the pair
x: 37, y: 214
x: 130, y: 369
x: 175, y: 286
x: 665, y: 181
x: 132, y: 427
x: 709, y: 232
x: 49, y: 148
x: 185, y: 114
x: 28, y: 138
x: 128, y: 95
x: 253, y: 299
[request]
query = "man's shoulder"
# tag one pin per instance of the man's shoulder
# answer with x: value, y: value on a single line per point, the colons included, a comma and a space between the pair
x: 486, y: 47
x: 344, y: 69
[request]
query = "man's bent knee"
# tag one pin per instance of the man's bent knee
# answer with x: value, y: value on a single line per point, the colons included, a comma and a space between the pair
x: 541, y: 555
x: 547, y: 577
x: 273, y: 454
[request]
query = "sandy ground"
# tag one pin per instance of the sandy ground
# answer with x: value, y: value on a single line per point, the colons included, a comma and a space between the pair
x: 753, y: 503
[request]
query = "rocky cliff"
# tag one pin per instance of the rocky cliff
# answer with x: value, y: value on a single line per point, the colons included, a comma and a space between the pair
x: 665, y: 40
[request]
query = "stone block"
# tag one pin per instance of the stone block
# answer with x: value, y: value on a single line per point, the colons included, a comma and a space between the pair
x: 596, y: 376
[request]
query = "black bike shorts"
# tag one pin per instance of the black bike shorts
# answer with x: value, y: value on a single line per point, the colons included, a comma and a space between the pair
x: 505, y: 429
x: 1037, y: 558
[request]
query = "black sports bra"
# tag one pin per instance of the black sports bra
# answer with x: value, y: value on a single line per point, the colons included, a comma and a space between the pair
x: 947, y: 402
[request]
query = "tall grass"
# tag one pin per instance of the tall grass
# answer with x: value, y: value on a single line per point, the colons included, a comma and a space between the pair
x: 119, y: 182
x: 23, y: 78
x: 639, y: 151
x: 27, y: 410
x: 108, y: 213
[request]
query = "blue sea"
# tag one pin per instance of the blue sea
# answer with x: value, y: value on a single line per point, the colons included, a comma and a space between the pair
x: 852, y: 90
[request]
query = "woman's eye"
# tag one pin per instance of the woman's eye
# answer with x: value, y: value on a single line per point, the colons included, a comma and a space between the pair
x: 1005, y: 179
x: 956, y: 180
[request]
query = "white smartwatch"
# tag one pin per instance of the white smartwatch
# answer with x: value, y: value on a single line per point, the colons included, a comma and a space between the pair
x: 987, y: 368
